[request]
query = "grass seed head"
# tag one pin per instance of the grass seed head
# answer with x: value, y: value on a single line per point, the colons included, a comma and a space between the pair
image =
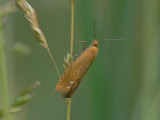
x: 31, y: 17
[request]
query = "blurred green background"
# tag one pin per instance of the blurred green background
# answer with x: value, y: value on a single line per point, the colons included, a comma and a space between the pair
x: 122, y: 84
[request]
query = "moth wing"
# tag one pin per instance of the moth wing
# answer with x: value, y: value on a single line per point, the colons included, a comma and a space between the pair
x: 63, y: 81
x: 79, y: 69
x: 75, y: 73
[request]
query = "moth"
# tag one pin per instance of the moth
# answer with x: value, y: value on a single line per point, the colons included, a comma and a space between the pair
x: 72, y: 76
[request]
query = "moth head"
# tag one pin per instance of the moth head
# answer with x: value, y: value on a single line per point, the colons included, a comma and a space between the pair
x: 95, y: 43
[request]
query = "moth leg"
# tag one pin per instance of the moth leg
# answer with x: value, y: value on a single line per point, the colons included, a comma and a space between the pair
x: 81, y: 42
x: 75, y: 55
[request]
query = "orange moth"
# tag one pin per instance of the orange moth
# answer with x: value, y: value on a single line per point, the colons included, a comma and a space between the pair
x: 73, y: 75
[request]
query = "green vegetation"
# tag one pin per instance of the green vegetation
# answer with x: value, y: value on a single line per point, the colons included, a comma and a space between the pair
x: 123, y: 82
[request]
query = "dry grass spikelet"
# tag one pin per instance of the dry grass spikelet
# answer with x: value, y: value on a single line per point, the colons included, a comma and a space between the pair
x: 31, y: 17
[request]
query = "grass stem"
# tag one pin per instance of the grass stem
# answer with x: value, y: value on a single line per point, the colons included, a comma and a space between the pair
x: 54, y: 62
x: 3, y: 77
x: 72, y: 25
x: 72, y: 38
x: 68, y: 107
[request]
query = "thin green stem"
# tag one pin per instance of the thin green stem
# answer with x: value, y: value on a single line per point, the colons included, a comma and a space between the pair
x: 72, y: 25
x: 3, y: 77
x: 68, y: 107
x: 54, y: 62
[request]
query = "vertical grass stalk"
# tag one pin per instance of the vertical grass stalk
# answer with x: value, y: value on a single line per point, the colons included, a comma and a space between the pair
x: 72, y: 25
x: 150, y: 55
x: 68, y: 100
x: 71, y: 52
x: 3, y: 77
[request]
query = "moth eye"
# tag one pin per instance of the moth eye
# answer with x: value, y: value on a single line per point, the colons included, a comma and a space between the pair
x: 72, y: 82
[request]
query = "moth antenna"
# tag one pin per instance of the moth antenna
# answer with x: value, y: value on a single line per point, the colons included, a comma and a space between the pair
x: 114, y: 39
x: 95, y: 30
x: 111, y: 39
